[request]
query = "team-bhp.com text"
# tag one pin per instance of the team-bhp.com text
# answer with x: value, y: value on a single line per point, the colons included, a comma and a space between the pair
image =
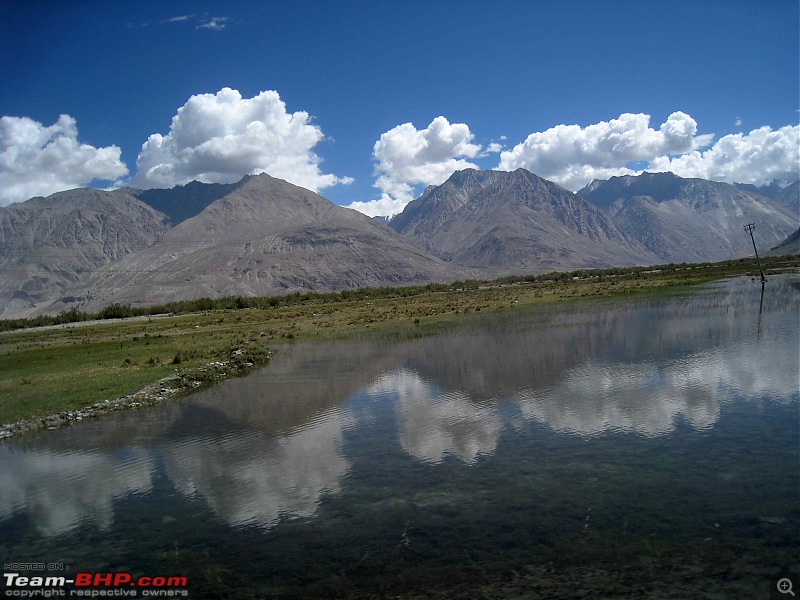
x: 94, y: 585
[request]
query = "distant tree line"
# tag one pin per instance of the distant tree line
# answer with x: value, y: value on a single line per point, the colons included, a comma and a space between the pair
x: 120, y: 311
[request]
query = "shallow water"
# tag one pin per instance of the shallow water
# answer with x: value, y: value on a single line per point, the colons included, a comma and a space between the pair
x: 622, y: 449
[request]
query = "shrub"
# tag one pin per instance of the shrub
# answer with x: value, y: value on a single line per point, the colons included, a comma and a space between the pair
x: 182, y: 355
x: 115, y: 311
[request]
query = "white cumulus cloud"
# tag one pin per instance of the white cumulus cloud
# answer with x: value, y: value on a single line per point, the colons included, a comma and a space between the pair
x: 386, y: 205
x: 406, y: 156
x: 38, y: 161
x: 494, y: 148
x: 218, y: 138
x: 572, y: 155
x: 757, y: 157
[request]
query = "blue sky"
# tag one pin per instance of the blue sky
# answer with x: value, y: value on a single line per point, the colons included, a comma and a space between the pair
x: 653, y: 84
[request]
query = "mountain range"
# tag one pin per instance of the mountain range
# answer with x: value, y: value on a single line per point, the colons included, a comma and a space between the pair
x: 692, y: 220
x: 263, y: 236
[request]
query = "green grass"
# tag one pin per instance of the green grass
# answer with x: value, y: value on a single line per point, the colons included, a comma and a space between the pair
x: 68, y: 370
x: 47, y: 371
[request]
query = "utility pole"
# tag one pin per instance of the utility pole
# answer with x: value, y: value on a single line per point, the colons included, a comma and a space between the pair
x: 749, y: 228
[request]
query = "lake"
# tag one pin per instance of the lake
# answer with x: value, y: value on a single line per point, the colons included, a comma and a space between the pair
x: 622, y: 448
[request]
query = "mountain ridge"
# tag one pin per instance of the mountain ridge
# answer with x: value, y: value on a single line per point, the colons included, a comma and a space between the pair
x: 49, y: 244
x: 265, y: 237
x: 506, y: 221
x: 690, y: 219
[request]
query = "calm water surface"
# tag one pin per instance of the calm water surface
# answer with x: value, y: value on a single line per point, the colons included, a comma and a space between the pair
x: 620, y: 449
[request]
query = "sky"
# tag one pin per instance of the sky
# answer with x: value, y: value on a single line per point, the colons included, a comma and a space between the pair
x: 368, y: 103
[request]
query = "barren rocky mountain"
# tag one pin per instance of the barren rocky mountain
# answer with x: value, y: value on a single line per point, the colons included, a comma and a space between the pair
x: 184, y: 201
x: 772, y: 190
x: 514, y: 222
x: 691, y: 220
x: 790, y: 196
x: 50, y: 244
x: 265, y: 237
x: 791, y: 245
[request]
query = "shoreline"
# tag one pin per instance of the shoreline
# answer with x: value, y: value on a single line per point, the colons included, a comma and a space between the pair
x: 213, y: 346
x: 182, y: 383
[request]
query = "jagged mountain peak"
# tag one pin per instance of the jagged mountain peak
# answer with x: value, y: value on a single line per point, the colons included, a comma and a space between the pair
x: 475, y: 188
x: 690, y: 219
x: 183, y: 202
x: 663, y: 186
x: 659, y: 186
x: 774, y: 189
x: 510, y: 220
x: 262, y: 203
x: 264, y: 236
x: 468, y: 177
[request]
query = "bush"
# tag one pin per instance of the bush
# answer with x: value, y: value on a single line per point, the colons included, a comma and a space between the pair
x: 116, y: 311
x: 182, y: 355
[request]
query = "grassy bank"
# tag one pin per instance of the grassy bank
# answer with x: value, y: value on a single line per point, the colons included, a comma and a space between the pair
x: 50, y: 370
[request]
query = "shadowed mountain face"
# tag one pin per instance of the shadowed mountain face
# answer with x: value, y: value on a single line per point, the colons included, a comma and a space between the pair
x: 692, y: 220
x: 50, y: 244
x: 790, y: 197
x: 185, y: 201
x: 772, y: 190
x: 791, y: 245
x: 265, y: 237
x: 513, y: 222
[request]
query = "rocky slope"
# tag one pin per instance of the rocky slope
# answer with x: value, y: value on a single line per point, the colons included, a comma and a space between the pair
x: 50, y: 244
x: 184, y: 201
x: 513, y: 222
x: 265, y: 237
x: 691, y: 220
x: 790, y: 197
x: 791, y: 245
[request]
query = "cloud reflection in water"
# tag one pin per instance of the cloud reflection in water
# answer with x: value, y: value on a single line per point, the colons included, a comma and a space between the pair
x: 255, y: 479
x: 647, y: 398
x: 61, y: 491
x: 434, y: 424
x: 272, y: 445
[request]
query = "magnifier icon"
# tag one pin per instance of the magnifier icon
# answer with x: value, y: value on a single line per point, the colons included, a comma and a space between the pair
x: 785, y: 586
